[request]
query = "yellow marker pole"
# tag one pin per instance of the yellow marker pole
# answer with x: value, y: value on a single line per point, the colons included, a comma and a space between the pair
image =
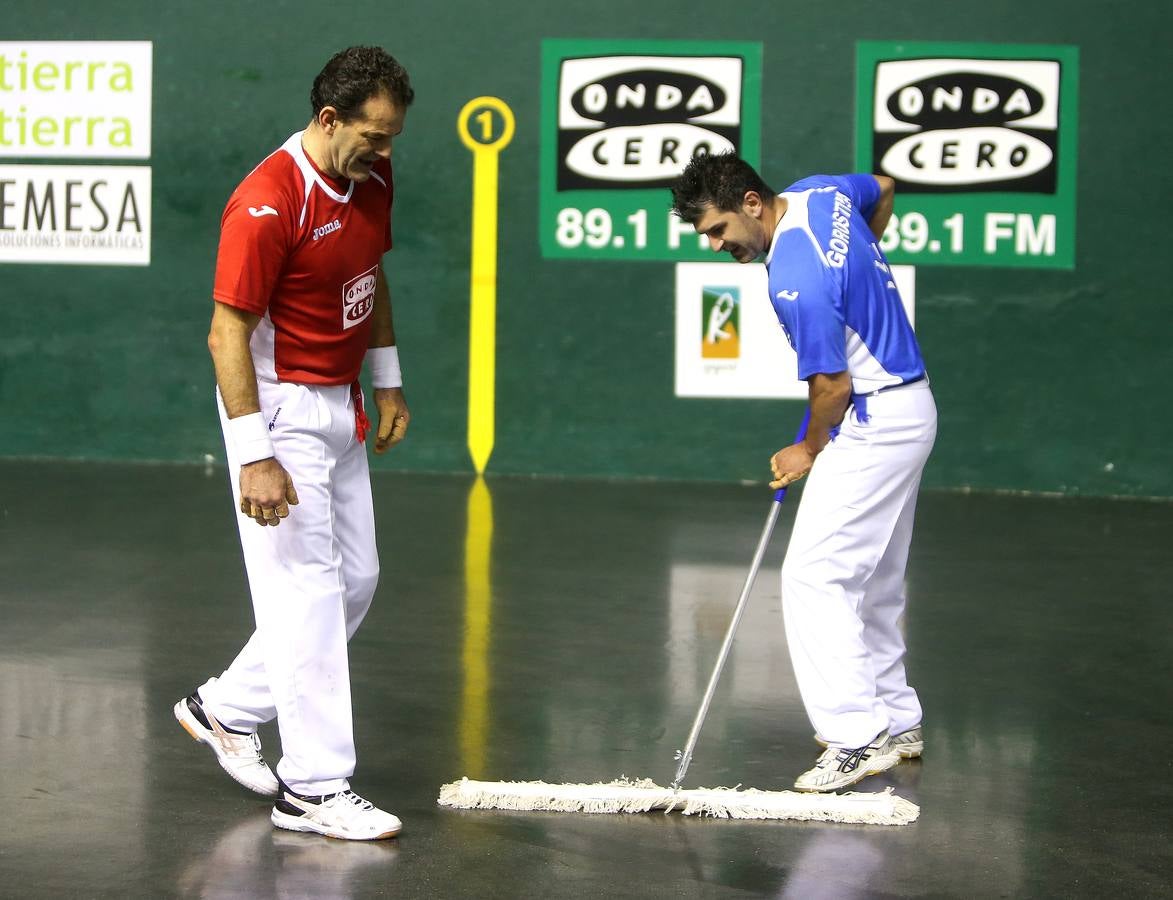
x: 478, y: 608
x: 478, y: 122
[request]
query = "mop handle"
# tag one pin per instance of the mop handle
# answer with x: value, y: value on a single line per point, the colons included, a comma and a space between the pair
x: 685, y: 755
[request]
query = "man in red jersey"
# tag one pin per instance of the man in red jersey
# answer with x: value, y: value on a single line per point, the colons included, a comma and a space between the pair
x: 300, y: 301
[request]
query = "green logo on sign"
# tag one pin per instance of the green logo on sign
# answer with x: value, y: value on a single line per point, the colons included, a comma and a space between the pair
x: 720, y: 322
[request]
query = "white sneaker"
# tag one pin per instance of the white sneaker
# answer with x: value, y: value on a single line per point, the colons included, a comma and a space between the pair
x: 344, y: 815
x: 238, y: 754
x: 909, y: 744
x: 838, y: 768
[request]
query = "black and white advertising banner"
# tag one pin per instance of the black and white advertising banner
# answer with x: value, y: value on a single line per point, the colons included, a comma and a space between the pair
x: 96, y: 215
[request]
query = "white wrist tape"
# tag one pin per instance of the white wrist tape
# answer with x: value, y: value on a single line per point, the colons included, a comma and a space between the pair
x: 250, y: 437
x: 385, y: 367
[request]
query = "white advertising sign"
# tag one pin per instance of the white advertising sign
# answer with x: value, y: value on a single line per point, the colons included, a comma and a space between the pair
x: 94, y: 215
x: 728, y: 340
x: 70, y: 99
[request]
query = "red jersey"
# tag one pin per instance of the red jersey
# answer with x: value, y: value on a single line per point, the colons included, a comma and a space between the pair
x: 302, y: 250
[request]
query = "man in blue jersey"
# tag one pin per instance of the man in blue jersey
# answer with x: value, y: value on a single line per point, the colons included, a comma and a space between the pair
x: 872, y: 425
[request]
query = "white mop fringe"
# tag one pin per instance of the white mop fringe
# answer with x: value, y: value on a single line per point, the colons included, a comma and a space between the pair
x: 643, y: 795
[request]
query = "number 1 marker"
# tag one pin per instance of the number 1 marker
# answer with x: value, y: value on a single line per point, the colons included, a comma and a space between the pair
x: 482, y: 332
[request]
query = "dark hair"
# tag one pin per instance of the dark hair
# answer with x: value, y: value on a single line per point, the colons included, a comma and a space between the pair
x: 356, y: 74
x: 720, y: 180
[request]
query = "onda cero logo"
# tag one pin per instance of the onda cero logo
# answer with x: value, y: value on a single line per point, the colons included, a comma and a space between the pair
x: 636, y: 121
x: 358, y: 297
x: 967, y: 125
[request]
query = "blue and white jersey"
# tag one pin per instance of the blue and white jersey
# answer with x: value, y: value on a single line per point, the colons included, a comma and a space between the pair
x: 832, y: 289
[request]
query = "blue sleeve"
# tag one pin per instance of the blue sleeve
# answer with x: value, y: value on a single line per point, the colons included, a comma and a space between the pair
x: 810, y: 310
x: 863, y: 190
x: 820, y: 337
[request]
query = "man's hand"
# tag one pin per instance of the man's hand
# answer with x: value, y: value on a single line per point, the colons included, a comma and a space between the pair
x: 393, y: 418
x: 790, y: 464
x: 266, y: 492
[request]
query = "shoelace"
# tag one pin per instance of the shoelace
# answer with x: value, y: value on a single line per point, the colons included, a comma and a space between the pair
x: 354, y: 800
x: 840, y: 756
x: 241, y: 746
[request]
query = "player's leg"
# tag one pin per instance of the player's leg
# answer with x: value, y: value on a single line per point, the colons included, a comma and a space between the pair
x: 913, y: 417
x: 882, y: 613
x: 296, y: 663
x: 354, y: 532
x: 339, y: 812
x: 850, y: 508
x: 822, y: 589
x: 240, y: 697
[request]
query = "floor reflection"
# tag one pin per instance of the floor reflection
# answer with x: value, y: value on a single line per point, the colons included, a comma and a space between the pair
x: 835, y: 864
x: 252, y: 859
x: 73, y: 749
x: 478, y: 607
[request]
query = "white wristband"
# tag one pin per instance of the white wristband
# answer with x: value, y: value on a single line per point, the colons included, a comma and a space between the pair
x: 385, y: 367
x: 251, y: 438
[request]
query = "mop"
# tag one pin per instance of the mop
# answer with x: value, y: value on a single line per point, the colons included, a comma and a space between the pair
x: 643, y: 795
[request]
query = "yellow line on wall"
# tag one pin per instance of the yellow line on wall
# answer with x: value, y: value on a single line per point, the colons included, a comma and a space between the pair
x: 486, y: 126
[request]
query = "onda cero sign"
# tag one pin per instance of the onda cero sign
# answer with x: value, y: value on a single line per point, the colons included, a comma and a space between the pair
x: 620, y: 120
x: 981, y: 140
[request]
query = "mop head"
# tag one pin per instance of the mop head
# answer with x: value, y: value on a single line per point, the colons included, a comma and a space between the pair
x: 627, y: 796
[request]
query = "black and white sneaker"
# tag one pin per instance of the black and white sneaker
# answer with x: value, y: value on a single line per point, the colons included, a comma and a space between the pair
x: 344, y: 815
x: 838, y: 767
x: 909, y: 744
x: 239, y: 753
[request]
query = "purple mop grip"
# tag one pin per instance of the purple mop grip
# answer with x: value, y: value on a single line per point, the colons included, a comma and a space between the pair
x: 799, y: 435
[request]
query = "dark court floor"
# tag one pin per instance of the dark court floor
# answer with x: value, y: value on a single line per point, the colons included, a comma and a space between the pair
x: 565, y: 631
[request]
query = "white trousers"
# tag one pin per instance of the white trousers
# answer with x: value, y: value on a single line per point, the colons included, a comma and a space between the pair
x: 843, y: 591
x: 312, y: 579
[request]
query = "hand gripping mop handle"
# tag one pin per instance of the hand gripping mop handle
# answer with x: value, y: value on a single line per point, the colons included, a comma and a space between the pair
x: 685, y: 755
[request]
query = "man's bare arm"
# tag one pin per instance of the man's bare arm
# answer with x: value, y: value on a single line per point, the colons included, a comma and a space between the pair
x: 829, y: 396
x: 394, y: 416
x: 883, y: 210
x: 228, y: 343
x: 266, y: 490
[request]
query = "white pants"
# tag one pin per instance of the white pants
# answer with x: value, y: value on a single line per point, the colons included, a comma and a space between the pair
x: 843, y: 579
x: 312, y: 579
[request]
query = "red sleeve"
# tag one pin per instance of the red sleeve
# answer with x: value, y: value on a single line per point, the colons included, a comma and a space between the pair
x: 256, y: 236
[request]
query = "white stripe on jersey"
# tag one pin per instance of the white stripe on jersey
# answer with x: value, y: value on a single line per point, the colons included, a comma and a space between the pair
x: 311, y: 177
x: 797, y: 208
x: 867, y: 373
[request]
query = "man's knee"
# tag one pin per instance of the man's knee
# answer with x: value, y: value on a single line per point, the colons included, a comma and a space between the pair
x: 797, y: 583
x: 361, y: 584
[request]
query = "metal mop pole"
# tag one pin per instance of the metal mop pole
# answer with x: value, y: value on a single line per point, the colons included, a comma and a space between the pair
x: 685, y: 755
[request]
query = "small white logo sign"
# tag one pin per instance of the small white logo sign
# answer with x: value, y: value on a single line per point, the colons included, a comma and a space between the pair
x: 358, y: 297
x: 765, y: 365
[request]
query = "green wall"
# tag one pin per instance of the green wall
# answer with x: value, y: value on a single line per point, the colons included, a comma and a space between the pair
x: 1046, y: 380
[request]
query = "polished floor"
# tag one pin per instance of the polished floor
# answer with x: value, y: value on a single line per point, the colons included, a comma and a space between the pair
x: 564, y: 631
